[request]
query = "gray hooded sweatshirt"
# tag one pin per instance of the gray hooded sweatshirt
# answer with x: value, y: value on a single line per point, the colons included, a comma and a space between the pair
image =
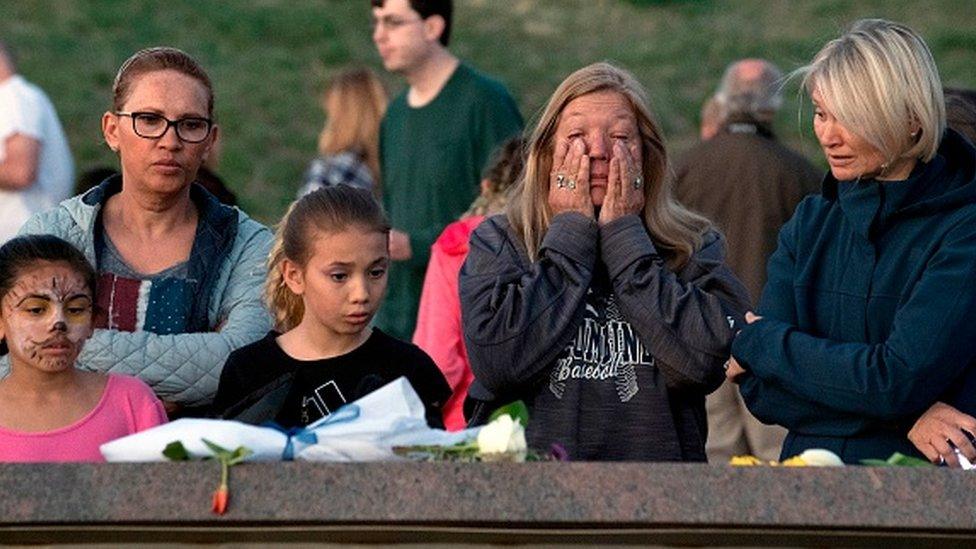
x: 611, y: 350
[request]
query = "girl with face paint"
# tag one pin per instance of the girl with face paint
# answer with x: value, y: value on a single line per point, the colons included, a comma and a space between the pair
x: 49, y: 410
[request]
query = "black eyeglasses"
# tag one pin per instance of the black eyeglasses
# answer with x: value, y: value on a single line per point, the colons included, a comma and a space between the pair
x: 153, y: 126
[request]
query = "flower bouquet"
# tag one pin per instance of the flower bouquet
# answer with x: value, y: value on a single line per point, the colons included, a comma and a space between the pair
x: 501, y: 439
x: 814, y: 457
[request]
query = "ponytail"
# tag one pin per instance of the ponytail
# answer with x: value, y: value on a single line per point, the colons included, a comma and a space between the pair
x: 287, y: 307
x: 326, y: 210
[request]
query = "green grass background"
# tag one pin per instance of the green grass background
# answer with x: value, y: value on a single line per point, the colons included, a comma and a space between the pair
x: 269, y: 60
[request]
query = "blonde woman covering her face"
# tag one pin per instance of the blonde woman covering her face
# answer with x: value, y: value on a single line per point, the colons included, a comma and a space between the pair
x: 866, y: 317
x: 598, y: 299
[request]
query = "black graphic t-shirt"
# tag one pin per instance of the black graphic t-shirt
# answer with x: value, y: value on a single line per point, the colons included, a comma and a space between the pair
x: 322, y: 386
x: 604, y: 398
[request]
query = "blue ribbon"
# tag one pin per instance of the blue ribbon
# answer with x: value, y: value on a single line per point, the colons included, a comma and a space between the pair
x: 301, y: 434
x: 306, y: 435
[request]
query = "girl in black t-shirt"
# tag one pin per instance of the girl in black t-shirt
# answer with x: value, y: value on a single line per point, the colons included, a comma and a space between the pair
x: 327, y: 277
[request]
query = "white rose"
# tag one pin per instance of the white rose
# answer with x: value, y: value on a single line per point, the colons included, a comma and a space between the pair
x: 818, y: 457
x: 502, y: 435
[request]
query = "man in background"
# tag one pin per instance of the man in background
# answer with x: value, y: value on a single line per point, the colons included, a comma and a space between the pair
x: 711, y: 119
x: 435, y: 139
x: 36, y: 169
x: 748, y: 183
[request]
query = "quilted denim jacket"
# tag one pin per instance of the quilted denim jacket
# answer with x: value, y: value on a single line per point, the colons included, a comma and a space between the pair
x: 181, y: 368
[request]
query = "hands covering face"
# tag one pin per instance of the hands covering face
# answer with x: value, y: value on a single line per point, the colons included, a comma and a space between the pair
x: 570, y: 186
x: 625, y: 186
x: 569, y: 181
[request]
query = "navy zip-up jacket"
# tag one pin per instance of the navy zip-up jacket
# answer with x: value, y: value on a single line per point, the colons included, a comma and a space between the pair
x: 868, y: 310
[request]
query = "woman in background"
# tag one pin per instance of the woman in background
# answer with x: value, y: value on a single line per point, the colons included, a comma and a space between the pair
x: 438, y: 330
x: 354, y: 103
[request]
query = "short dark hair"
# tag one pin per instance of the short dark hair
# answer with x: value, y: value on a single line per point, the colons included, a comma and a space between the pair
x: 427, y: 8
x: 23, y: 252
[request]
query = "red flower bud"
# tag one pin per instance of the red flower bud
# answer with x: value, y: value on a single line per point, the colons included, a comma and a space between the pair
x: 220, y: 498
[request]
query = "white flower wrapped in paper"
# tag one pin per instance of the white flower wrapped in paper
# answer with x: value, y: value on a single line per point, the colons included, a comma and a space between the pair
x: 503, y: 435
x: 265, y: 444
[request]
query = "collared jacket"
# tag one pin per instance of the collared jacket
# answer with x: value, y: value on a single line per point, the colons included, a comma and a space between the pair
x: 228, y: 259
x: 867, y: 313
x: 438, y: 330
x: 612, y: 351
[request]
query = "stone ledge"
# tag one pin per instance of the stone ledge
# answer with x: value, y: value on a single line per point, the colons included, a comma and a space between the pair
x: 570, y: 503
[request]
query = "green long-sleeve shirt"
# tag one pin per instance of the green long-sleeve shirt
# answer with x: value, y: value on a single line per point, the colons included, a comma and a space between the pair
x: 431, y: 160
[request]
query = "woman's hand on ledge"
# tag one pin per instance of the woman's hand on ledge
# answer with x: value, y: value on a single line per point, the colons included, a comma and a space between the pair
x: 939, y: 429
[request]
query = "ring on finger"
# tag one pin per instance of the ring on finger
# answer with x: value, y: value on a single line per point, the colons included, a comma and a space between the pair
x: 638, y: 182
x: 560, y: 180
x: 571, y: 183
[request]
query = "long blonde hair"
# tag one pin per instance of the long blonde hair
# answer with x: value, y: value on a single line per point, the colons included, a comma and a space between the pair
x: 329, y: 209
x: 354, y: 103
x: 676, y: 232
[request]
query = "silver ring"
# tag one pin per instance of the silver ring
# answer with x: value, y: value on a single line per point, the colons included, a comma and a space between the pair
x: 638, y: 182
x: 571, y: 183
x: 560, y: 180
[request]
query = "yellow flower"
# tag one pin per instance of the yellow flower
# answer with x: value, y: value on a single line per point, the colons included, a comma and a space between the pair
x: 745, y: 461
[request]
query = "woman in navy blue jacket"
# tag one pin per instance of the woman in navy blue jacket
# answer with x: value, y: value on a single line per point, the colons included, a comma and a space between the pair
x: 866, y: 319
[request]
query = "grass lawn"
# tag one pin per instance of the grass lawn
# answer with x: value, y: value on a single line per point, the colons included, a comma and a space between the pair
x: 270, y: 58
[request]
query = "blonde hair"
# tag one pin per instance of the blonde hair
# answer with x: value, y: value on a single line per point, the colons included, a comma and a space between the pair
x: 880, y: 81
x: 676, y: 232
x: 354, y: 103
x: 326, y: 210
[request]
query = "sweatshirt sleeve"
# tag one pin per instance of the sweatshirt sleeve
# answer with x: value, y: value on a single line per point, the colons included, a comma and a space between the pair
x: 517, y: 316
x: 688, y: 320
x: 431, y: 387
x: 898, y: 377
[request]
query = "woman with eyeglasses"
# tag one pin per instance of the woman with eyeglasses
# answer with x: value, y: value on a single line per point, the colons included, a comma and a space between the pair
x: 179, y: 274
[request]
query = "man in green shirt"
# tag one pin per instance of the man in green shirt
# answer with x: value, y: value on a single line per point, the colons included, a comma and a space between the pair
x: 435, y: 139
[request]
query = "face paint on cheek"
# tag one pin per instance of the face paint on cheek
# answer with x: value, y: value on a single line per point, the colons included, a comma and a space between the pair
x: 47, y: 316
x: 24, y: 336
x: 78, y: 330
